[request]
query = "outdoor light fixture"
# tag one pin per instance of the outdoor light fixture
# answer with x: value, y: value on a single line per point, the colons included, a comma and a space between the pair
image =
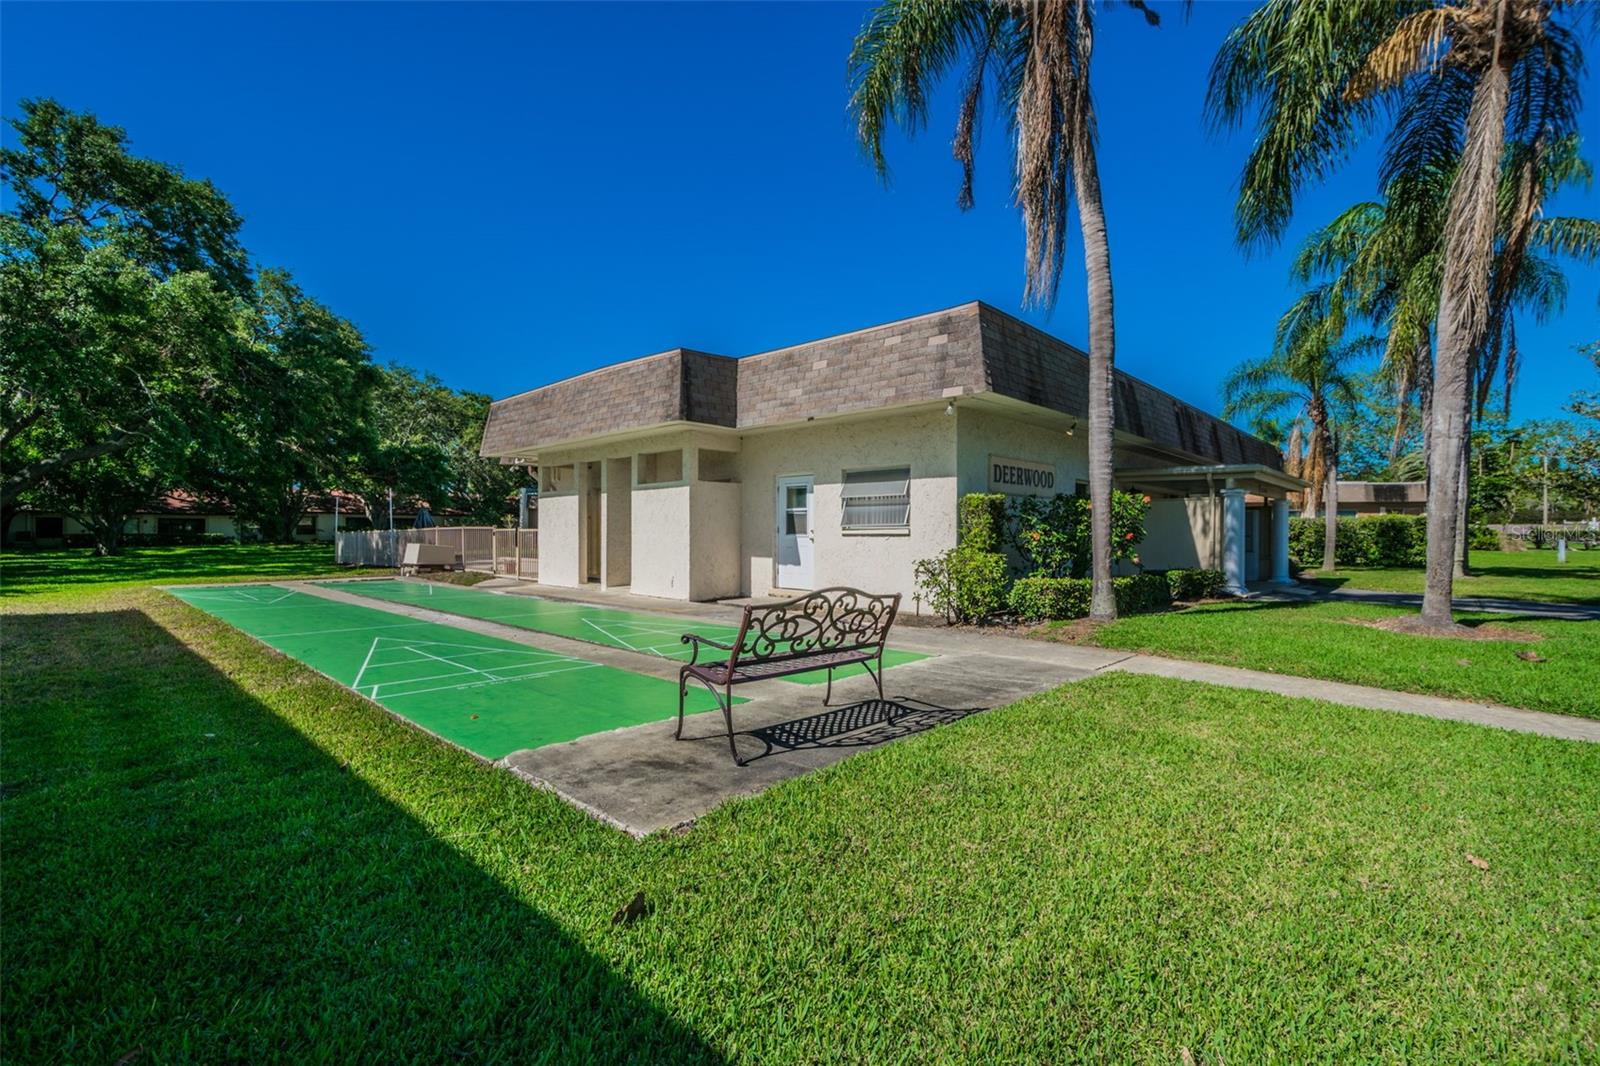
x: 950, y: 408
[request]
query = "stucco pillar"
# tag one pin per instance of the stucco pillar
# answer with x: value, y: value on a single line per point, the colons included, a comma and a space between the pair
x: 1280, y: 542
x: 1233, y: 541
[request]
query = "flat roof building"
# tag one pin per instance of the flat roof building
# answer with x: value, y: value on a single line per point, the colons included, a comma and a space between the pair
x: 840, y: 461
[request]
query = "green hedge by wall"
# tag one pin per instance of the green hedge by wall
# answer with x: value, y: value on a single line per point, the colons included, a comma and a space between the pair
x: 1036, y: 599
x: 1363, y: 540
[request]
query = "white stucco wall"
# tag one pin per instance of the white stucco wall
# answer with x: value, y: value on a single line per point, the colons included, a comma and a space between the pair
x: 1183, y: 533
x: 559, y: 533
x: 714, y: 513
x: 981, y: 434
x: 880, y: 562
x: 661, y: 539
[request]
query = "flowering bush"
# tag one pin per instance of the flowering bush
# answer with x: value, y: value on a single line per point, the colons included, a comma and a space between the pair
x: 1053, y: 534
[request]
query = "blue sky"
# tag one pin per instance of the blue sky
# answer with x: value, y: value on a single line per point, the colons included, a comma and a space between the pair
x: 510, y: 194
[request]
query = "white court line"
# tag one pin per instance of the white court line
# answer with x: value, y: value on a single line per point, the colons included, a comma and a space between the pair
x: 532, y: 659
x: 356, y: 684
x: 347, y: 629
x: 480, y: 684
x: 458, y: 666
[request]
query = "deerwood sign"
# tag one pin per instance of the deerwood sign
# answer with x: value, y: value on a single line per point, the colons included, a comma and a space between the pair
x: 1021, y: 477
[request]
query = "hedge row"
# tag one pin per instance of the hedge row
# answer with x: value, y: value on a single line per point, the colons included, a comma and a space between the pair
x: 1036, y: 599
x: 1373, y: 540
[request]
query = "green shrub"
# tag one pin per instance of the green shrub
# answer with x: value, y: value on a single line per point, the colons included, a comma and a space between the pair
x: 1363, y: 540
x: 1037, y: 598
x: 964, y: 584
x: 982, y: 521
x: 1482, y: 538
x: 1040, y: 597
x: 1141, y: 592
x: 1197, y: 584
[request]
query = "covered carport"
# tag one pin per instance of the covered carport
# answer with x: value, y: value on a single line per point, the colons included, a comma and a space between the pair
x: 1218, y: 501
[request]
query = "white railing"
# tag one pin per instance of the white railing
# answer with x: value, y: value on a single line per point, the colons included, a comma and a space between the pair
x: 511, y: 552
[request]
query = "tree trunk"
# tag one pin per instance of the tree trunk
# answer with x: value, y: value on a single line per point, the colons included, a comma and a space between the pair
x: 1330, y: 500
x: 1401, y: 402
x: 1102, y: 350
x: 1469, y: 246
x: 1463, y: 542
x: 1312, y: 471
x: 1424, y: 374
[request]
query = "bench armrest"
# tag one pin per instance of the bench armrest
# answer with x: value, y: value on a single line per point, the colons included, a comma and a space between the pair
x: 697, y: 640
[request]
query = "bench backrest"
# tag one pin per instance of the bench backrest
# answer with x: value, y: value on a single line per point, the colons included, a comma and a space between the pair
x: 833, y: 619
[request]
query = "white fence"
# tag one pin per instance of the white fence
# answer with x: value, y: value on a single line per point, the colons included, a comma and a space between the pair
x: 510, y: 552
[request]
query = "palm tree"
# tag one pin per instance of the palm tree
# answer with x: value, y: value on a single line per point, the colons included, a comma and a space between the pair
x: 1455, y: 76
x: 1385, y: 257
x: 1034, y: 57
x: 1309, y: 375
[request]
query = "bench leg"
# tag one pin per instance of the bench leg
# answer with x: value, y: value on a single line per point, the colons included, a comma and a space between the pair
x: 727, y: 716
x: 877, y: 677
x: 827, y: 697
x: 683, y: 692
x: 724, y: 704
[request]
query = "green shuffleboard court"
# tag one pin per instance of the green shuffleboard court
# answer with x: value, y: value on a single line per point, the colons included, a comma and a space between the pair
x: 650, y: 634
x: 487, y: 695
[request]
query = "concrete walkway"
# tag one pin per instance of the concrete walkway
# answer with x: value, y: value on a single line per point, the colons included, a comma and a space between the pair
x: 641, y: 779
x: 1555, y: 612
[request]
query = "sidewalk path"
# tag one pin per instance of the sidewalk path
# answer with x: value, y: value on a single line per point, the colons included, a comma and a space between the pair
x: 1047, y: 662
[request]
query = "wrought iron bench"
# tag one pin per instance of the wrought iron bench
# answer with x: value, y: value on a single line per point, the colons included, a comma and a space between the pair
x: 821, y: 630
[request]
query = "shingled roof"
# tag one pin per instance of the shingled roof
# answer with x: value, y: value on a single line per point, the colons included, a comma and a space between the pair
x: 966, y: 350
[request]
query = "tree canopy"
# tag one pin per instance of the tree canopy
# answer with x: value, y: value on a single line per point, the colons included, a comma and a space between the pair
x: 141, y: 351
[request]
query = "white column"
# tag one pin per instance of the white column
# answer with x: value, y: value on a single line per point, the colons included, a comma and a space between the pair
x: 1233, y: 541
x: 1280, y: 542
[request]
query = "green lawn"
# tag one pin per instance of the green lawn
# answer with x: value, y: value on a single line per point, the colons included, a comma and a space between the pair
x: 213, y: 853
x: 33, y: 573
x: 1524, y: 575
x: 1316, y: 640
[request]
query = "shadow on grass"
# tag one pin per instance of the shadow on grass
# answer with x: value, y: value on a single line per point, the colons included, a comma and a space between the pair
x: 1238, y: 607
x: 188, y: 876
x: 26, y: 572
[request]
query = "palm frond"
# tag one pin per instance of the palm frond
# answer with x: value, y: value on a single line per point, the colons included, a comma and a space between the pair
x: 1294, y: 60
x: 904, y: 46
x: 1416, y: 44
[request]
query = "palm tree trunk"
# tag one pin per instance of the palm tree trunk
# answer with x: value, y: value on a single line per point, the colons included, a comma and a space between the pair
x: 1424, y: 376
x: 1312, y: 471
x: 1102, y: 349
x: 1469, y: 245
x: 1402, y: 394
x: 1330, y: 517
x: 1463, y: 543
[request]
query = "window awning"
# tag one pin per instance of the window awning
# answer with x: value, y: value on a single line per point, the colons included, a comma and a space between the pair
x: 1208, y: 480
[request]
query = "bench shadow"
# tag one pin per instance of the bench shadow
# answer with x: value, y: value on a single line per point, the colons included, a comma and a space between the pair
x: 189, y: 875
x: 864, y: 724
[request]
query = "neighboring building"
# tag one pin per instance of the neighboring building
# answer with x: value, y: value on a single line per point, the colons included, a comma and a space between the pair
x: 841, y: 461
x: 1383, y: 497
x: 180, y: 515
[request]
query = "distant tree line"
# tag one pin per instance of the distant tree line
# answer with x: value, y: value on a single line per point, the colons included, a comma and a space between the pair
x: 142, y: 351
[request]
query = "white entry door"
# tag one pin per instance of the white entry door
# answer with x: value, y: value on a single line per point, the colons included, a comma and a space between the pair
x: 795, y: 540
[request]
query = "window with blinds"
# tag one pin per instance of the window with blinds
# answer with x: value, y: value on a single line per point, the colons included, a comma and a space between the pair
x: 877, y: 499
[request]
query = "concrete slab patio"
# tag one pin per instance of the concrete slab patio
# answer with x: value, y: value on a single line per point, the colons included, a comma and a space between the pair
x: 640, y: 779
